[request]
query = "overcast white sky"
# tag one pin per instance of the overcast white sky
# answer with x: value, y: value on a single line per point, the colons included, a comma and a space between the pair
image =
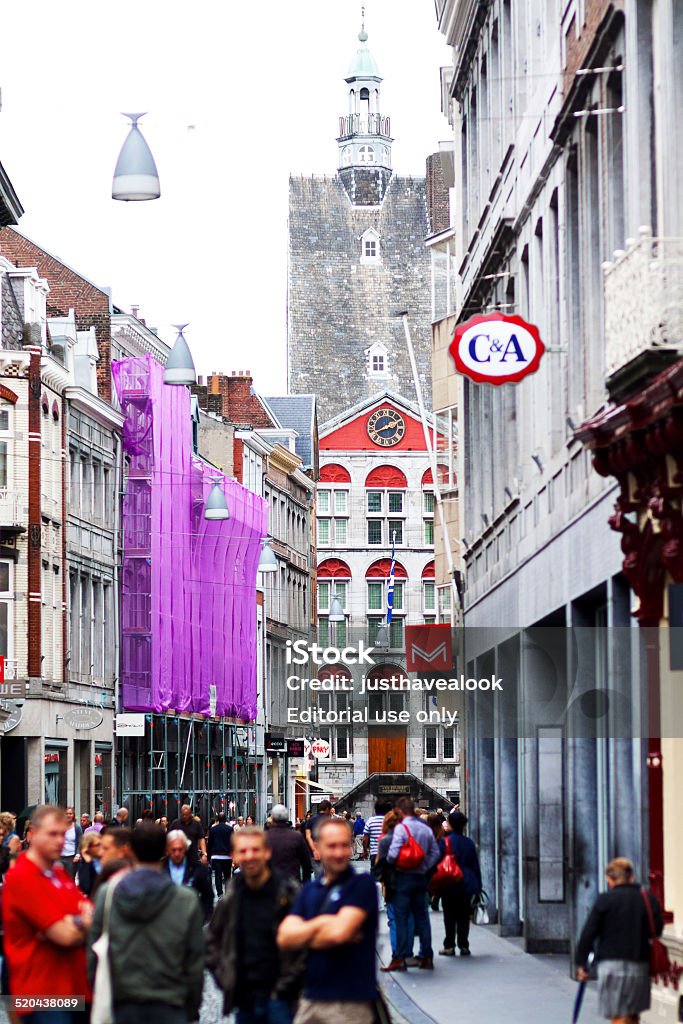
x: 262, y: 84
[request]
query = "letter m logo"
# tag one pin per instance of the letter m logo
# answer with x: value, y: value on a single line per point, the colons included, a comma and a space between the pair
x: 428, y: 648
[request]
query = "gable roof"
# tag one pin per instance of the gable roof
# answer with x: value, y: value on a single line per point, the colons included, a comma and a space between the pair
x: 297, y: 412
x: 10, y: 207
x: 352, y: 413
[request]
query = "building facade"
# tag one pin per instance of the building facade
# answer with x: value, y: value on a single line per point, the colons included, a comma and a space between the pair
x: 376, y: 492
x: 351, y: 239
x: 549, y: 105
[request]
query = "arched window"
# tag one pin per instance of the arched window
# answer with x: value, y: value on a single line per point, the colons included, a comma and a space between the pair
x: 428, y: 593
x: 379, y: 587
x: 385, y: 499
x: 333, y: 581
x: 366, y: 155
x: 333, y: 506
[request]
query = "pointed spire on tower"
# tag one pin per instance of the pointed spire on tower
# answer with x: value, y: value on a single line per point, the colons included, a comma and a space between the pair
x: 362, y: 35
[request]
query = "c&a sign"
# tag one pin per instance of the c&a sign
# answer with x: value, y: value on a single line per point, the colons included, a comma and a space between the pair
x: 496, y: 349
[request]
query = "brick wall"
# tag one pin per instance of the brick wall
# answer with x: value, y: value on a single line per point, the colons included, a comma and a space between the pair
x: 437, y: 196
x: 68, y: 290
x: 239, y: 402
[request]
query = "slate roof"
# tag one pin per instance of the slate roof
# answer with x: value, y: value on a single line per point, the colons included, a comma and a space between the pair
x: 297, y: 412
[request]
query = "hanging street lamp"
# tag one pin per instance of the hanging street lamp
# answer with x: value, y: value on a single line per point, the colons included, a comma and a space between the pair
x: 136, y: 178
x: 180, y: 364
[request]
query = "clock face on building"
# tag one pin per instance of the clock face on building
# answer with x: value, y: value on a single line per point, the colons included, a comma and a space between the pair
x: 386, y: 427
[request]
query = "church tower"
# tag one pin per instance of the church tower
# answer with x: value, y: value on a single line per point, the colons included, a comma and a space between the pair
x: 364, y: 133
x: 357, y: 254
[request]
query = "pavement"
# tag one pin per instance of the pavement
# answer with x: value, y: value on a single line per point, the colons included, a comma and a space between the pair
x: 498, y: 983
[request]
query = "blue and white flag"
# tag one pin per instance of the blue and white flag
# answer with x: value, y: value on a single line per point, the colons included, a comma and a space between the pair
x: 390, y: 590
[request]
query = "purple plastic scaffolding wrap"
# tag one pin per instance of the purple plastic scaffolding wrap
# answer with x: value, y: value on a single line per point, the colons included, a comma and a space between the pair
x: 188, y: 607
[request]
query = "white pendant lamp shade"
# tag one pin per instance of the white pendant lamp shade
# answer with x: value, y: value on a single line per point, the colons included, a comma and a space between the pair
x: 382, y: 638
x: 135, y: 177
x: 267, y: 562
x: 216, y: 505
x: 336, y: 611
x: 180, y: 364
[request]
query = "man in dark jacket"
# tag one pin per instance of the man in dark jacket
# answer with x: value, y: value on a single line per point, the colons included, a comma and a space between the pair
x: 289, y: 850
x: 257, y: 979
x: 156, y: 944
x: 183, y: 871
x: 219, y: 848
x: 457, y: 899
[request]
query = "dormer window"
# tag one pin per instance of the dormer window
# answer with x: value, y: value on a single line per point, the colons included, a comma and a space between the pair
x: 369, y: 247
x: 377, y: 360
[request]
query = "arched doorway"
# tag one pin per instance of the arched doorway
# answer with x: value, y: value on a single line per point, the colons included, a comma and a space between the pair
x: 387, y: 739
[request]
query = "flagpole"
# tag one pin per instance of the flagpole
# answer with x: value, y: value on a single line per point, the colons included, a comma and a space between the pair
x: 455, y: 595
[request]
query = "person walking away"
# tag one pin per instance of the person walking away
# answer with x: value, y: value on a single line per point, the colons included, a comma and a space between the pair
x: 289, y: 851
x: 45, y: 920
x: 358, y: 826
x: 89, y: 864
x: 385, y: 874
x: 618, y: 932
x: 121, y: 818
x: 194, y: 832
x: 219, y: 849
x: 410, y: 896
x: 72, y: 837
x: 156, y: 942
x: 257, y: 979
x: 311, y: 829
x: 335, y: 917
x: 98, y: 823
x: 457, y: 898
x: 373, y: 830
x: 183, y: 871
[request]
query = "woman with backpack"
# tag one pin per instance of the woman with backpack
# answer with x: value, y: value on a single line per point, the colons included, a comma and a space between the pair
x: 457, y: 898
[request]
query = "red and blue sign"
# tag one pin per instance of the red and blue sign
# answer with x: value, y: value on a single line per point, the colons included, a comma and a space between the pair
x: 496, y: 349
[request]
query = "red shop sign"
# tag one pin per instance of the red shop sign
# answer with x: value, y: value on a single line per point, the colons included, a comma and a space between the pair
x: 496, y: 349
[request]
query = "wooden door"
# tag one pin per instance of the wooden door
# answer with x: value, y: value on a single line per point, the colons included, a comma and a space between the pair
x: 386, y: 749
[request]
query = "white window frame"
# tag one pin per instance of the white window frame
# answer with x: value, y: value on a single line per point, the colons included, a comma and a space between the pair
x: 426, y: 608
x: 7, y: 598
x: 455, y: 731
x: 369, y: 238
x: 429, y: 730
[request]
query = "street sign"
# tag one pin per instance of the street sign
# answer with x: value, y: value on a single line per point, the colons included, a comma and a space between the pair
x: 128, y: 724
x: 295, y: 748
x: 80, y: 716
x: 275, y: 744
x: 320, y: 749
x: 496, y: 349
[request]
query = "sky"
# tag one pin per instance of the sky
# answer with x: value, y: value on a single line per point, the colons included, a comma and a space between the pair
x: 239, y: 96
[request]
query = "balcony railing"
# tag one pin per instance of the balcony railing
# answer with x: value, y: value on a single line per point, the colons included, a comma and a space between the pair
x: 643, y: 299
x: 10, y: 514
x: 372, y: 124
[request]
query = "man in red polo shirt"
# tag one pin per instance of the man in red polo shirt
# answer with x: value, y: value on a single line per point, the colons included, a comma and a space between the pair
x: 45, y: 924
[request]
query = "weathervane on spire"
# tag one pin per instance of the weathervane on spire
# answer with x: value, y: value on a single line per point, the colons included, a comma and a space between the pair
x: 362, y: 35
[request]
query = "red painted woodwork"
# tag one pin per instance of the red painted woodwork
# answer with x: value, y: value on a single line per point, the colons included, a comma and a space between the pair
x: 332, y: 473
x: 386, y: 749
x: 334, y: 672
x: 333, y: 568
x: 380, y: 570
x: 385, y: 476
x: 428, y: 479
x: 428, y: 571
x: 353, y: 436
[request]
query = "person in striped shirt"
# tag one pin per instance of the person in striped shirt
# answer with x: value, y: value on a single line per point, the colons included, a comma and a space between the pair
x: 373, y: 830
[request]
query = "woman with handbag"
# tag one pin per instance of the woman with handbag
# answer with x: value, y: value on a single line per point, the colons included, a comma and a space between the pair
x: 457, y: 896
x: 622, y: 930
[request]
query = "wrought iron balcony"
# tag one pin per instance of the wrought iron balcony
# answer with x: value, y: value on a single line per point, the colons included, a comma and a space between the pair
x: 371, y: 124
x: 643, y: 302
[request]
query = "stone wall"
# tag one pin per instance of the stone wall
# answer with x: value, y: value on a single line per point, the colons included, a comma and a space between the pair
x: 338, y: 306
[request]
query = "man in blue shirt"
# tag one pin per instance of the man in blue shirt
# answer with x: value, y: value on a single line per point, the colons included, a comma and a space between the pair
x: 335, y: 918
x: 410, y: 887
x: 358, y: 827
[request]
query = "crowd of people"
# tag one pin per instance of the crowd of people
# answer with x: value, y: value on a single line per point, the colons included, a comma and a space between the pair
x: 127, y: 919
